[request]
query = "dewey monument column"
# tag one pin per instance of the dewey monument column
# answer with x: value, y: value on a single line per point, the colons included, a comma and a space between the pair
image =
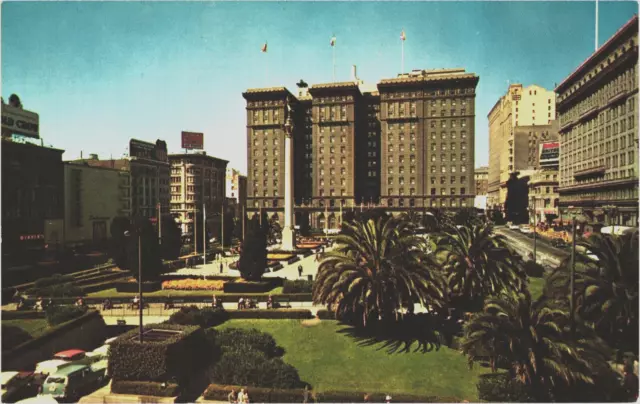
x: 288, y: 232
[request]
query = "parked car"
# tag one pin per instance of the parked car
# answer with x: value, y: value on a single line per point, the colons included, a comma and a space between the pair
x: 70, y: 355
x: 70, y: 382
x: 17, y: 385
x: 525, y: 229
x: 512, y: 226
x: 50, y: 366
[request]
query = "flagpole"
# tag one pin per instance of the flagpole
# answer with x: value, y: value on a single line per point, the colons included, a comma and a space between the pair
x: 596, y: 24
x: 402, y: 71
x: 333, y: 48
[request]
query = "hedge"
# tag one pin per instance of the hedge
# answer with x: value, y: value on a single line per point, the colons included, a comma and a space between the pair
x: 145, y: 388
x: 110, y: 284
x: 324, y: 314
x: 12, y: 336
x: 262, y: 286
x: 61, y: 314
x: 56, y: 290
x: 270, y: 314
x: 218, y: 392
x: 91, y: 279
x: 534, y: 269
x: 132, y: 287
x: 22, y: 314
x: 172, y: 359
x: 297, y: 286
x: 52, y: 280
x: 207, y: 317
x: 175, y: 277
x: 501, y: 387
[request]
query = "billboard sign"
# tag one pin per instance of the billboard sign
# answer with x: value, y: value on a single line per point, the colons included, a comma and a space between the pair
x: 192, y: 140
x: 20, y: 122
x: 143, y: 150
x: 549, y: 153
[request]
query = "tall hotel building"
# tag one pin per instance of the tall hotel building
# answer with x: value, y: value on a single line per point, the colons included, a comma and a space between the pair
x: 598, y: 114
x: 519, y: 122
x: 407, y: 143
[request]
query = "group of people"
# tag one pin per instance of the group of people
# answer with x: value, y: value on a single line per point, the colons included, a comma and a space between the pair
x: 239, y: 398
x: 247, y: 303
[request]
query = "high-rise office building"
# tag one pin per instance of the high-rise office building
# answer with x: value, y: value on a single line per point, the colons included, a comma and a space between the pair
x: 519, y: 122
x: 598, y: 118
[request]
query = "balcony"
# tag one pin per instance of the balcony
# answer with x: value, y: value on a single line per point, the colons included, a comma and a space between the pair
x: 592, y: 172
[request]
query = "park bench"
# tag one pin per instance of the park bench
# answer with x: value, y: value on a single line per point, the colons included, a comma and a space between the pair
x: 282, y: 302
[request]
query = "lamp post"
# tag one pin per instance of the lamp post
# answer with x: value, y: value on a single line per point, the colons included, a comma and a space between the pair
x: 140, y: 304
x: 532, y: 210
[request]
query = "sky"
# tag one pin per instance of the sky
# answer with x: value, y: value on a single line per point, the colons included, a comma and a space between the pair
x: 101, y: 73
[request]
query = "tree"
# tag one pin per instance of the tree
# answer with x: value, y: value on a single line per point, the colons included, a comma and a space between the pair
x: 119, y: 225
x: 142, y: 230
x: 436, y: 219
x: 171, y: 238
x: 377, y: 267
x: 412, y: 218
x: 253, y: 257
x: 478, y: 263
x: 533, y: 338
x: 466, y: 217
x: 606, y: 287
x: 517, y: 200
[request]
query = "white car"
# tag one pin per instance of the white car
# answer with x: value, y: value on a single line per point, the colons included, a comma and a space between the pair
x: 526, y: 229
x: 51, y: 366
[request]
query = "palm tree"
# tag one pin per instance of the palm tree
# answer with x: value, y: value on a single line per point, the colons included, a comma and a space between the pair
x: 412, y: 218
x: 436, y: 220
x: 533, y: 338
x: 478, y: 263
x: 606, y: 287
x: 377, y: 267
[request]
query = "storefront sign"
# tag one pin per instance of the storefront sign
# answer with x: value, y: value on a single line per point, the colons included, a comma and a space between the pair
x: 192, y: 140
x: 149, y: 151
x: 25, y: 237
x: 20, y: 122
x: 549, y: 153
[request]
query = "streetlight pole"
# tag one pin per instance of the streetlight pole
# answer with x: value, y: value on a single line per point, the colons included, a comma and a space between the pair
x: 572, y: 279
x: 140, y: 304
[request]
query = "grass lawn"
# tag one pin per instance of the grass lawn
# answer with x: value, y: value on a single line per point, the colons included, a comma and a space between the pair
x: 329, y: 360
x: 35, y: 327
x: 535, y: 287
x: 113, y: 293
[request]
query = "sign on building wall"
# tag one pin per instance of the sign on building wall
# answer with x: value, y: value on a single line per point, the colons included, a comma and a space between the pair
x: 192, y: 140
x: 150, y: 151
x: 20, y: 122
x: 549, y: 153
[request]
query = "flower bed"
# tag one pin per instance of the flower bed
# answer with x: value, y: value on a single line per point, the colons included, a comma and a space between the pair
x: 193, y: 284
x: 279, y: 257
x: 309, y: 245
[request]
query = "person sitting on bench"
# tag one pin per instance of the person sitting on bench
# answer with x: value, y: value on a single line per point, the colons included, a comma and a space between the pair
x: 270, y: 302
x: 136, y: 302
x: 169, y: 303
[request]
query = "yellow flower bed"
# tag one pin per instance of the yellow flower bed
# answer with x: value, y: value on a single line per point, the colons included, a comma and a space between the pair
x: 308, y: 245
x: 193, y: 284
x: 279, y: 257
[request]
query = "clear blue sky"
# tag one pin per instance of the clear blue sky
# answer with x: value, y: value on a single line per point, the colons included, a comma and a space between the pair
x: 100, y: 73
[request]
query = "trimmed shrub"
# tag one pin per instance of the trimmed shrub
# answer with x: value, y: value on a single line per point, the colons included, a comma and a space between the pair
x: 145, y: 388
x: 252, y: 339
x: 298, y: 286
x: 22, y: 314
x: 263, y: 286
x: 61, y: 314
x: 207, y: 317
x: 132, y: 287
x: 271, y: 314
x: 218, y: 392
x: 241, y: 365
x: 13, y: 336
x: 57, y: 290
x: 173, y: 359
x: 324, y: 314
x: 501, y: 387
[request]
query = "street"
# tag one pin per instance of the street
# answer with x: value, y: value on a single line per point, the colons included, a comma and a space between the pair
x: 546, y: 254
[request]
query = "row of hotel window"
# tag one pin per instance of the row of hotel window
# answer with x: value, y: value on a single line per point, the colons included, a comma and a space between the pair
x: 621, y: 83
x: 585, y: 140
x: 443, y: 180
x: 609, y: 162
x: 401, y: 202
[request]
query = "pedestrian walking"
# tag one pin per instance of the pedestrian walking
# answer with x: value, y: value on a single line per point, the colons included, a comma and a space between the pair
x: 221, y: 266
x: 299, y: 270
x: 232, y: 397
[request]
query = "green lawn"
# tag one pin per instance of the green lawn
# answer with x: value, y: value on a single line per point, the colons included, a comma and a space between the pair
x: 35, y: 327
x: 329, y: 360
x: 113, y: 293
x: 535, y: 287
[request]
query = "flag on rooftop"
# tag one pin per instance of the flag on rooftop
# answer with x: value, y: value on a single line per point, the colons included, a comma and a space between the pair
x: 403, y: 36
x: 264, y: 48
x: 333, y: 41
